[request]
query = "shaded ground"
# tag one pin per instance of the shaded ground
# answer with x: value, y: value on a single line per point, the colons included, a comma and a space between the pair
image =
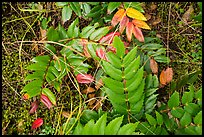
x: 184, y: 42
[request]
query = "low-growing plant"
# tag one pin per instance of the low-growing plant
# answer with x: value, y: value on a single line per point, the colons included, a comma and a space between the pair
x: 126, y: 69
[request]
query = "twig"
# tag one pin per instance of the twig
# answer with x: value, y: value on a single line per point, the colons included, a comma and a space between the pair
x: 167, y: 50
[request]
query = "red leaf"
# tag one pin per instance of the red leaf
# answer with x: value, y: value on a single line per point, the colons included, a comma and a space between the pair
x: 138, y: 34
x: 117, y: 17
x: 34, y: 107
x: 154, y: 66
x: 84, y: 44
x: 46, y: 101
x: 101, y: 54
x: 37, y: 123
x: 166, y: 76
x: 112, y: 49
x: 108, y: 39
x: 126, y: 44
x: 129, y: 30
x: 84, y: 78
x: 123, y: 24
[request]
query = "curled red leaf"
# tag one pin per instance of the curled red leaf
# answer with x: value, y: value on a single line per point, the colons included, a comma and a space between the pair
x: 46, y: 101
x: 85, y: 50
x: 101, y: 54
x: 37, y: 123
x: 112, y: 49
x: 108, y: 39
x: 129, y: 30
x: 126, y: 44
x: 34, y: 107
x: 138, y: 34
x: 84, y: 78
x: 123, y: 24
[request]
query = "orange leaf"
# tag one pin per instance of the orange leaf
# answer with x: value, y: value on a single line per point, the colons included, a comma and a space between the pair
x: 166, y: 76
x: 154, y: 66
x: 26, y: 96
x: 140, y: 24
x: 129, y: 30
x: 43, y: 33
x: 123, y: 24
x: 98, y: 84
x: 88, y: 90
x: 138, y: 34
x: 135, y: 14
x: 65, y: 114
x: 118, y: 17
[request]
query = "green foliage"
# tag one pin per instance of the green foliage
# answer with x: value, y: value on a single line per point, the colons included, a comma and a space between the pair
x: 151, y: 49
x: 125, y: 85
x: 130, y: 87
x: 44, y: 72
x: 199, y: 16
x: 187, y: 110
x: 135, y: 5
x: 151, y: 86
x: 185, y: 79
x: 100, y: 127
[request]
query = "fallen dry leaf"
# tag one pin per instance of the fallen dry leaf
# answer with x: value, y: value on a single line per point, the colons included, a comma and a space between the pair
x: 153, y: 7
x: 43, y: 33
x: 65, y: 114
x: 99, y: 83
x: 153, y: 66
x: 147, y: 16
x: 98, y: 105
x: 187, y: 14
x: 166, y: 76
x: 91, y: 95
x: 91, y: 102
x: 157, y: 21
x: 88, y: 90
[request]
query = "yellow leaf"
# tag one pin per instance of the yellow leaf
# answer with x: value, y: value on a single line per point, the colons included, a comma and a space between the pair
x: 140, y: 24
x: 135, y: 14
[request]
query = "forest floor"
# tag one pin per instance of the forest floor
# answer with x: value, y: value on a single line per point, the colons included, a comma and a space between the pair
x: 167, y: 20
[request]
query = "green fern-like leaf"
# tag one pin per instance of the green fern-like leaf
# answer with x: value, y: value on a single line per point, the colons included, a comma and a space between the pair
x: 124, y: 84
x: 101, y: 128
